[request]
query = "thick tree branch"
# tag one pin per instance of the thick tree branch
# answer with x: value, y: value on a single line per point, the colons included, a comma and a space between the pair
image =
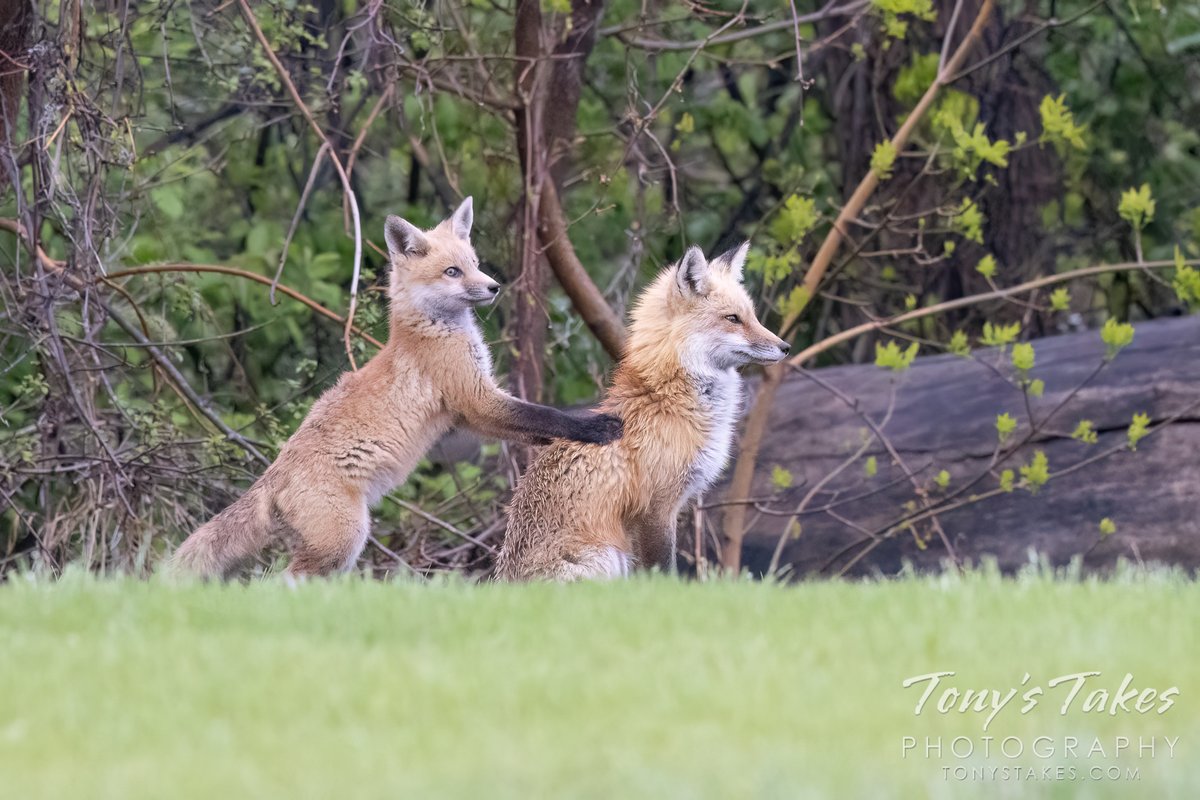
x: 587, y: 298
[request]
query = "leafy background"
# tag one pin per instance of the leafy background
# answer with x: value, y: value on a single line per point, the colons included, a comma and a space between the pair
x: 163, y: 134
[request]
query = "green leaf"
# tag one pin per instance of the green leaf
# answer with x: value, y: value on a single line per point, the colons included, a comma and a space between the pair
x: 1036, y: 473
x: 1000, y: 335
x: 890, y: 356
x: 959, y: 344
x: 986, y: 267
x: 883, y: 159
x: 942, y: 479
x: 1107, y: 527
x: 794, y: 221
x: 781, y: 478
x: 1005, y: 425
x: 1084, y: 432
x: 1007, y: 478
x: 1139, y: 429
x: 968, y: 220
x: 1137, y: 206
x: 796, y: 301
x: 913, y: 80
x: 1037, y: 387
x: 1023, y: 356
x: 871, y: 467
x: 1116, y: 335
x: 1186, y: 282
x: 1060, y: 299
x: 1058, y: 125
x: 891, y: 10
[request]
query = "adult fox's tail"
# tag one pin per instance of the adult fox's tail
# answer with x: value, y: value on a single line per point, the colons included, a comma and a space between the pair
x: 229, y: 539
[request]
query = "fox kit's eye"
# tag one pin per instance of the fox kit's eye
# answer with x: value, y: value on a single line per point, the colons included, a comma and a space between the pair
x: 452, y: 272
x: 734, y: 318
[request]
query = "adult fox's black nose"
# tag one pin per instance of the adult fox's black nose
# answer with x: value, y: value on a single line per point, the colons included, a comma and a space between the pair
x: 494, y: 287
x: 786, y: 348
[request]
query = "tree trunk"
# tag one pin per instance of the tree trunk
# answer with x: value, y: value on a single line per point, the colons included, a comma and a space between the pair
x: 14, y: 28
x: 551, y: 57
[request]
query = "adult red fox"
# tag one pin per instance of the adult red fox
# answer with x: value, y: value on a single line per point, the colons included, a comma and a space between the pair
x: 365, y: 435
x: 598, y: 511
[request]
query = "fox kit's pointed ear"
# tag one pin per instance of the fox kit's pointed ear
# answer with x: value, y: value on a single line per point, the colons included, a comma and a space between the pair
x: 692, y: 274
x: 403, y: 238
x: 461, y: 220
x: 734, y: 261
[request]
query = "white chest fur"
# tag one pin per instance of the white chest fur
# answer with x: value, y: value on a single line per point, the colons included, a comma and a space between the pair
x: 720, y: 401
x: 479, y: 350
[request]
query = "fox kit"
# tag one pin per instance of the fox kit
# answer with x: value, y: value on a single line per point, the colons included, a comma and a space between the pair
x: 365, y: 435
x: 598, y: 511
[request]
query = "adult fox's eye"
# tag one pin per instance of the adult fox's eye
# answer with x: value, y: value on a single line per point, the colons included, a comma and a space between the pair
x: 452, y: 272
x: 734, y: 318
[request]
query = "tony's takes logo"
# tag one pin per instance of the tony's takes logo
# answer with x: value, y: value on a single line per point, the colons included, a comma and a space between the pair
x: 1068, y: 689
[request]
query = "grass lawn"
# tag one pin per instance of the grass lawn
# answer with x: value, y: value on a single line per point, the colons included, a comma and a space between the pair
x: 653, y: 688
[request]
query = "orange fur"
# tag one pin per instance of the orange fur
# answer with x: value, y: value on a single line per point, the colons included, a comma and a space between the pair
x: 593, y: 511
x: 365, y: 435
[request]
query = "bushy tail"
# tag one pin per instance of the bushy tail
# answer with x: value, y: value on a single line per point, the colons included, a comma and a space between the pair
x: 228, y: 540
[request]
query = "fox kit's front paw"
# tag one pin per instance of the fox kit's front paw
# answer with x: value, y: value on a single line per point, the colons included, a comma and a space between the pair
x: 601, y: 428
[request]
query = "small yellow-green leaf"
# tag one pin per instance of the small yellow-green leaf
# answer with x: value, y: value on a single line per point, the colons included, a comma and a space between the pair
x: 1139, y: 429
x: 883, y: 159
x: 781, y: 478
x: 1116, y: 335
x: 890, y: 356
x: 1023, y: 356
x: 1005, y: 425
x: 1137, y: 206
x: 986, y: 267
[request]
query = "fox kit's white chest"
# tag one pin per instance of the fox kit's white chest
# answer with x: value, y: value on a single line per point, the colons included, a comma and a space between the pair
x: 720, y: 399
x: 479, y: 350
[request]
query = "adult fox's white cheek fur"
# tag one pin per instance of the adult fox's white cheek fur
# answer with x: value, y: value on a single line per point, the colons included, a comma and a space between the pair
x: 363, y: 437
x: 595, y: 512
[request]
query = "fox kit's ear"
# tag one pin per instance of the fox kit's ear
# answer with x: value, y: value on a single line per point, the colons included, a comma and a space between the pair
x: 460, y: 221
x: 733, y: 261
x: 692, y: 274
x: 403, y: 238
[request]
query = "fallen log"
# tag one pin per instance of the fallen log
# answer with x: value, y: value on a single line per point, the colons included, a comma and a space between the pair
x: 943, y: 417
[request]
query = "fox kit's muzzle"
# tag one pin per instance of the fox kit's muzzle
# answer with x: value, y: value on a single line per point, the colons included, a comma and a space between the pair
x: 483, y: 295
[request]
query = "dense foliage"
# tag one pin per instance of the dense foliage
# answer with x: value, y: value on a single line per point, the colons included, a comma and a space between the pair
x: 187, y: 136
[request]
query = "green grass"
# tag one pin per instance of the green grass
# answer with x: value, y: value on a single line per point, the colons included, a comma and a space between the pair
x: 652, y: 688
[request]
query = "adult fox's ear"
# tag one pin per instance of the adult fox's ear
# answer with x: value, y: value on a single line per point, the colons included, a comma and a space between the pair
x: 733, y: 261
x: 462, y: 218
x: 692, y: 273
x: 403, y: 238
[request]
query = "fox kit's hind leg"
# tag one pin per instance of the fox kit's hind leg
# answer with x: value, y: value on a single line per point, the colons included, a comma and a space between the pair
x: 327, y: 534
x: 653, y: 534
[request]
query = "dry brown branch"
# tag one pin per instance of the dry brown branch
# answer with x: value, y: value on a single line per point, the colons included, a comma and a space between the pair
x: 287, y: 240
x: 756, y: 420
x: 584, y: 294
x: 814, y: 350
